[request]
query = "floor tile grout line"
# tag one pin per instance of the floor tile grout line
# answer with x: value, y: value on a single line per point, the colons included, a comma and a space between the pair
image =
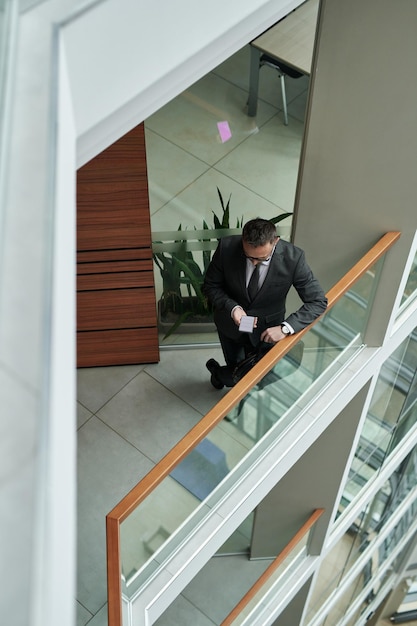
x: 115, y: 393
x: 123, y: 438
x: 176, y: 395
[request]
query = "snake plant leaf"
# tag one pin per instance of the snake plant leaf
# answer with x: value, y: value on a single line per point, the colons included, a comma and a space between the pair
x: 279, y: 218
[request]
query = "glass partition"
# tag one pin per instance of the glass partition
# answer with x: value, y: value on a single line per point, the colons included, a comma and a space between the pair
x: 261, y: 571
x: 287, y: 569
x: 392, y: 413
x: 184, y: 497
x: 410, y: 290
x: 181, y: 259
x: 351, y: 596
x: 184, y: 316
x: 407, y: 612
x: 370, y: 534
x: 286, y: 566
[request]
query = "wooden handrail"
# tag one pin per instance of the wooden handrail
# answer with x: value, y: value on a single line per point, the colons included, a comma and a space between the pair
x: 361, y: 267
x: 257, y: 586
x: 165, y: 466
x: 114, y: 574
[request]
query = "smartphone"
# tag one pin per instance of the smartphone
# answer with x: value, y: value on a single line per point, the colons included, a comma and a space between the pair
x: 247, y: 324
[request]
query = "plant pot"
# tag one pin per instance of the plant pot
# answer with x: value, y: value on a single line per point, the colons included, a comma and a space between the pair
x: 194, y: 324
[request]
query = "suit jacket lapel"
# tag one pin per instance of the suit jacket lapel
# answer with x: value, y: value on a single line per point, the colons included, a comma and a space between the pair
x: 241, y: 273
x: 273, y: 266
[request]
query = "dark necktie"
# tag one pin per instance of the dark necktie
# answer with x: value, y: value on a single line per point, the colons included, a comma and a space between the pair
x: 253, y: 283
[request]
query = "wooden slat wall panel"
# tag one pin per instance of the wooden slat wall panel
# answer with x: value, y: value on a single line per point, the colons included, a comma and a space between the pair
x: 117, y: 346
x: 112, y: 198
x: 100, y: 256
x: 113, y: 228
x: 106, y: 265
x: 116, y: 309
x: 114, y: 280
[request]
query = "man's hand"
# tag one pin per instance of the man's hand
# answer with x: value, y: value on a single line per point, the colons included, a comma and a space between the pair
x: 273, y: 334
x: 237, y: 315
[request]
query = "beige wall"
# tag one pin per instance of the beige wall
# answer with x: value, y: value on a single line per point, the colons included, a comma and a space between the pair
x: 358, y: 173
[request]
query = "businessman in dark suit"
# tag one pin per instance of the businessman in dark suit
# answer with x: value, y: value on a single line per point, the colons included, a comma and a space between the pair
x: 251, y: 275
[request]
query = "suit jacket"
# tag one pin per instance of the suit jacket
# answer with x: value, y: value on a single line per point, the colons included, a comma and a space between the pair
x: 225, y: 287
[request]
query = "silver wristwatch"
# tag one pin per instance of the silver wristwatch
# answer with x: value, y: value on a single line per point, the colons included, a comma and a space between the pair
x: 285, y: 329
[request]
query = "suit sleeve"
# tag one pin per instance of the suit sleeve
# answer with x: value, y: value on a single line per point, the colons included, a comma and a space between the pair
x: 311, y: 294
x: 214, y: 286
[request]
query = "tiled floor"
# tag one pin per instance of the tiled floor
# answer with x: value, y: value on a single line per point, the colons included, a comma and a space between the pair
x: 129, y: 417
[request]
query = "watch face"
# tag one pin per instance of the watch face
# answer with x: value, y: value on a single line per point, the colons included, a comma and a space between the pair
x: 285, y: 330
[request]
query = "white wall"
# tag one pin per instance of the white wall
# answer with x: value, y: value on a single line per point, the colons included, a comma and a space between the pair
x: 359, y: 162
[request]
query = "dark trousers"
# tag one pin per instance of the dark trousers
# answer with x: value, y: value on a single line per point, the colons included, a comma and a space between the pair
x: 237, y: 361
x: 235, y: 351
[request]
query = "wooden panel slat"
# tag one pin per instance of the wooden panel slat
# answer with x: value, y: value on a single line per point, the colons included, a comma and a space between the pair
x: 101, y: 267
x: 104, y: 228
x: 124, y: 254
x: 117, y: 347
x: 115, y: 308
x: 114, y: 280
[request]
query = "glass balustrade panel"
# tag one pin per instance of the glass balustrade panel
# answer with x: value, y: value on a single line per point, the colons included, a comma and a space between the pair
x: 392, y: 413
x: 288, y: 567
x: 410, y: 290
x: 184, y: 497
x: 337, y: 566
x: 240, y: 573
x: 365, y: 530
x: 181, y: 259
x: 370, y: 576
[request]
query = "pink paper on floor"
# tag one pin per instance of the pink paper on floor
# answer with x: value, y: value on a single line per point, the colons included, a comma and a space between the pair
x: 224, y: 131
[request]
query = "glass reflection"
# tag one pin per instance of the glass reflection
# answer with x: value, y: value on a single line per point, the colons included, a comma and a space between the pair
x: 354, y: 590
x: 150, y: 525
x: 392, y: 413
x: 410, y: 289
x: 406, y: 611
x: 362, y: 534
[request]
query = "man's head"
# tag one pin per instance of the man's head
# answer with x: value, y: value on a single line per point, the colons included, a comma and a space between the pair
x: 259, y: 238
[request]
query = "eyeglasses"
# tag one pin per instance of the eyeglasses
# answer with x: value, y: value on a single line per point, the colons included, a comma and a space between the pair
x: 261, y: 259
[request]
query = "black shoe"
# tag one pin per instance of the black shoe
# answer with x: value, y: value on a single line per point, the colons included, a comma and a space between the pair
x: 213, y: 366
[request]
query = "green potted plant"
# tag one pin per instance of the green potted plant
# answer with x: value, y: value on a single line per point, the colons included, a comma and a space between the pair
x: 182, y: 300
x: 182, y: 305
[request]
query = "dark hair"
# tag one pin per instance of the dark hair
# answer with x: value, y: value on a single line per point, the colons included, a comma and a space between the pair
x: 259, y: 232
